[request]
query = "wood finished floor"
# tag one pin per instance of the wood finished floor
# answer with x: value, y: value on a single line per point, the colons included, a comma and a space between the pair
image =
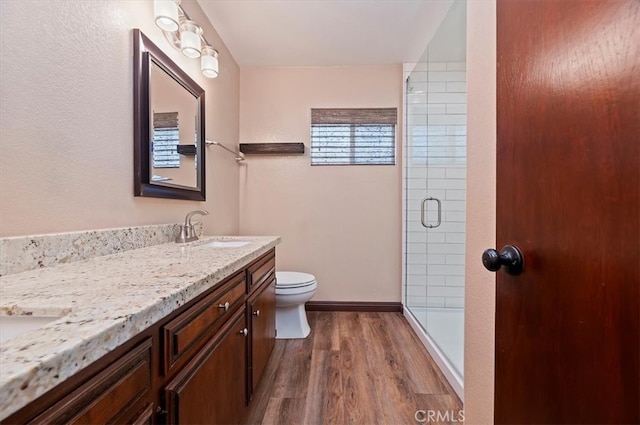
x: 354, y: 368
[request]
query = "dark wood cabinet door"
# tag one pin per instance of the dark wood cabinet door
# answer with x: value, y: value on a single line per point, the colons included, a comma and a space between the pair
x: 568, y: 195
x: 211, y: 387
x: 263, y: 330
x: 143, y: 418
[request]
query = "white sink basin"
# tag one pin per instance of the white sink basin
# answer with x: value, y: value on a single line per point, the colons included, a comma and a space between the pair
x: 224, y: 244
x: 12, y: 326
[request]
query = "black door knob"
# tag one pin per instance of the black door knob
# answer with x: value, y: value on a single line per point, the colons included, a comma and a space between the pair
x: 509, y: 256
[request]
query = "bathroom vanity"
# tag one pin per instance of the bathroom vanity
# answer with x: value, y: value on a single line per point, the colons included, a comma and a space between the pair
x: 171, y: 333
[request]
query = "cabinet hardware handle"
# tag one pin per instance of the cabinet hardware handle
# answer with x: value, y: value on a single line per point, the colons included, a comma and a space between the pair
x: 225, y: 306
x: 244, y: 332
x: 256, y: 313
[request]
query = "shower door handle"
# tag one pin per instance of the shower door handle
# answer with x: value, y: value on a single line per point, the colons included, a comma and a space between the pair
x: 423, y: 212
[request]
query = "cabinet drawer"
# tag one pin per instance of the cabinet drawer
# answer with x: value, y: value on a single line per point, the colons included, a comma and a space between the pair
x: 115, y: 395
x: 259, y: 271
x: 189, y: 331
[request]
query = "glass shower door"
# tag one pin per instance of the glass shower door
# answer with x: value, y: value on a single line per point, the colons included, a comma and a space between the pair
x: 435, y: 189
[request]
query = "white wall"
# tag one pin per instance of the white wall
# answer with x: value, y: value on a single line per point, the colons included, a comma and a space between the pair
x: 341, y: 223
x: 481, y: 211
x: 66, y: 119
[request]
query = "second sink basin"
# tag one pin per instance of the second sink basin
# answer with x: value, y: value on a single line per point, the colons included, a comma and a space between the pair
x: 224, y: 244
x: 13, y: 326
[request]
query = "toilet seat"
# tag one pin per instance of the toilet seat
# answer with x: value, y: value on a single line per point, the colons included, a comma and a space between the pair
x: 291, y: 280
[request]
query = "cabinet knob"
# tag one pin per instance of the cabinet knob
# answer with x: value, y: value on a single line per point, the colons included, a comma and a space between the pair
x: 244, y: 332
x: 225, y: 306
x: 256, y: 313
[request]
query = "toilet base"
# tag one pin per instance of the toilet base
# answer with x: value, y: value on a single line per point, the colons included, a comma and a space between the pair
x: 291, y: 322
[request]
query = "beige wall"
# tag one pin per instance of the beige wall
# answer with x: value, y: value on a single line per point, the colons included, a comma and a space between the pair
x: 66, y: 152
x: 341, y: 223
x: 481, y: 211
x: 66, y: 128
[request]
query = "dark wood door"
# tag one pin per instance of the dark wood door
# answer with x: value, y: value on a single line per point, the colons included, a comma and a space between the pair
x: 567, y: 328
x: 211, y: 387
x: 263, y: 330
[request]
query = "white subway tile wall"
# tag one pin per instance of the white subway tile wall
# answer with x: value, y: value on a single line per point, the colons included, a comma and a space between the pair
x: 436, y: 158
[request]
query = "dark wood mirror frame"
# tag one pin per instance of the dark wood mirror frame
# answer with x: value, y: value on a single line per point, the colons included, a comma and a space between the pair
x: 144, y: 51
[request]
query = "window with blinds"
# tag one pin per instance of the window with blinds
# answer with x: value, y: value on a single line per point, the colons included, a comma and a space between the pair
x: 364, y: 136
x: 166, y: 138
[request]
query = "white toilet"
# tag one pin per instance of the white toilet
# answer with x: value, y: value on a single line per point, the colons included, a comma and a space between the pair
x: 293, y: 289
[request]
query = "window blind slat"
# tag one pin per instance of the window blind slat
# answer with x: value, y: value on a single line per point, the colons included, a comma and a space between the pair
x: 354, y: 116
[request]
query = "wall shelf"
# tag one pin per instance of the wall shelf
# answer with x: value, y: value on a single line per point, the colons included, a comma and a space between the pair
x: 272, y: 148
x: 188, y: 150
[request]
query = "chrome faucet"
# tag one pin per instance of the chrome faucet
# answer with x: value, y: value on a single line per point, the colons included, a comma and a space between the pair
x: 187, y: 232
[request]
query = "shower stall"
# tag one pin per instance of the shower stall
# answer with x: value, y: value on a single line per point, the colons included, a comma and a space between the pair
x: 434, y: 185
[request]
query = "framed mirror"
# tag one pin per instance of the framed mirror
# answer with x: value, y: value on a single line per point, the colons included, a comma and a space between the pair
x: 169, y: 131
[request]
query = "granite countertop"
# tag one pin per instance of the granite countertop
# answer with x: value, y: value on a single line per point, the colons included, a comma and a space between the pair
x: 102, y: 303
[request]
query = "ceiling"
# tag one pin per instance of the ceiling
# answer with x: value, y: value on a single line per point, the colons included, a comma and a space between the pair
x: 325, y: 32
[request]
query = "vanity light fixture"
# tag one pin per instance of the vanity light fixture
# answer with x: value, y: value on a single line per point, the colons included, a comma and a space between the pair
x: 190, y: 39
x: 185, y: 35
x: 209, y: 62
x: 166, y: 13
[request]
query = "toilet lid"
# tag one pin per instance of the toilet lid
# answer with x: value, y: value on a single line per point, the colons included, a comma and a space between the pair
x: 294, y: 279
